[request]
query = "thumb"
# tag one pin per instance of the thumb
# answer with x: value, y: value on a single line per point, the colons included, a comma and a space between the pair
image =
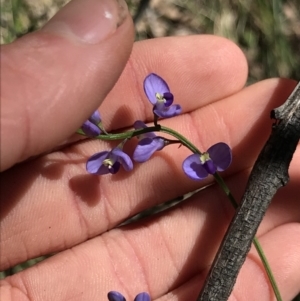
x: 53, y: 79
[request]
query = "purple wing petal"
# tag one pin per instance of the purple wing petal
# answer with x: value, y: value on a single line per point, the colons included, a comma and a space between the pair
x: 154, y: 84
x: 90, y: 129
x: 167, y: 112
x: 95, y: 118
x: 142, y: 297
x: 193, y: 168
x: 123, y: 158
x: 210, y: 167
x: 94, y: 163
x: 168, y: 96
x: 146, y: 147
x: 221, y: 155
x: 115, y: 168
x: 160, y: 143
x: 141, y: 125
x: 115, y: 296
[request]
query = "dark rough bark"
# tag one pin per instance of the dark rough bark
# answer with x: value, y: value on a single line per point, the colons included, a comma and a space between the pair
x: 269, y: 173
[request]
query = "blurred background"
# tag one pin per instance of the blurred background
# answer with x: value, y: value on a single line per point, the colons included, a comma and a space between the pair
x: 268, y: 31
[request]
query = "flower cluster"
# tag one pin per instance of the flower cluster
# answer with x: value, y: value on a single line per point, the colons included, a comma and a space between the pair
x: 116, y: 296
x: 196, y: 166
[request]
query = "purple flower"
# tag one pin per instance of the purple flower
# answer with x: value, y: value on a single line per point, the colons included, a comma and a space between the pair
x: 95, y: 118
x: 147, y: 145
x: 108, y: 162
x: 142, y: 297
x: 160, y: 96
x: 90, y: 127
x: 217, y: 158
x: 115, y: 296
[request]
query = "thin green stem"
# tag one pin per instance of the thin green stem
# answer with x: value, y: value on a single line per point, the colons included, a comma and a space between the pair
x: 125, y: 135
x: 156, y: 128
x: 183, y: 140
x: 267, y: 268
x: 225, y: 188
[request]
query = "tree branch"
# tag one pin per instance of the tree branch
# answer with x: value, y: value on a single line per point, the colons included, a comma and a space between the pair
x: 269, y: 173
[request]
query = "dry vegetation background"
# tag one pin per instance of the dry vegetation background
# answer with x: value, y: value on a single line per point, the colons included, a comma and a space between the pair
x: 267, y: 31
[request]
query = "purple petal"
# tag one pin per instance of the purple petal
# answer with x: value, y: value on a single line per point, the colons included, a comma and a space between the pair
x: 160, y: 107
x: 221, y: 155
x: 90, y: 129
x: 193, y: 168
x: 95, y: 118
x: 141, y: 125
x: 168, y: 96
x: 94, y: 163
x: 123, y: 158
x: 146, y: 147
x: 154, y: 84
x: 114, y: 168
x: 167, y: 112
x: 210, y: 167
x: 115, y: 296
x: 142, y: 297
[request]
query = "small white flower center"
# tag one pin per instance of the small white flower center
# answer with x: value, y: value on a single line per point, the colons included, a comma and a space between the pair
x: 204, y: 157
x: 160, y: 97
x: 108, y: 163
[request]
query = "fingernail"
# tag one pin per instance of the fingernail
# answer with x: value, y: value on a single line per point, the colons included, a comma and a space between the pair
x: 89, y: 21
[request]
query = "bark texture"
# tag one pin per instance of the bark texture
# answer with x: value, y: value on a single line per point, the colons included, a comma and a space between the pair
x: 269, y: 173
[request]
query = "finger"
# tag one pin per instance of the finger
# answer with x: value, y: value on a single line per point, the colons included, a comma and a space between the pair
x: 161, y: 255
x: 284, y: 207
x: 252, y: 279
x: 90, y: 205
x: 281, y: 247
x: 192, y: 78
x: 54, y: 78
x: 198, y: 69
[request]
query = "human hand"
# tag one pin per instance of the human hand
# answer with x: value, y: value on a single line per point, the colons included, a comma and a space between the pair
x: 51, y: 204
